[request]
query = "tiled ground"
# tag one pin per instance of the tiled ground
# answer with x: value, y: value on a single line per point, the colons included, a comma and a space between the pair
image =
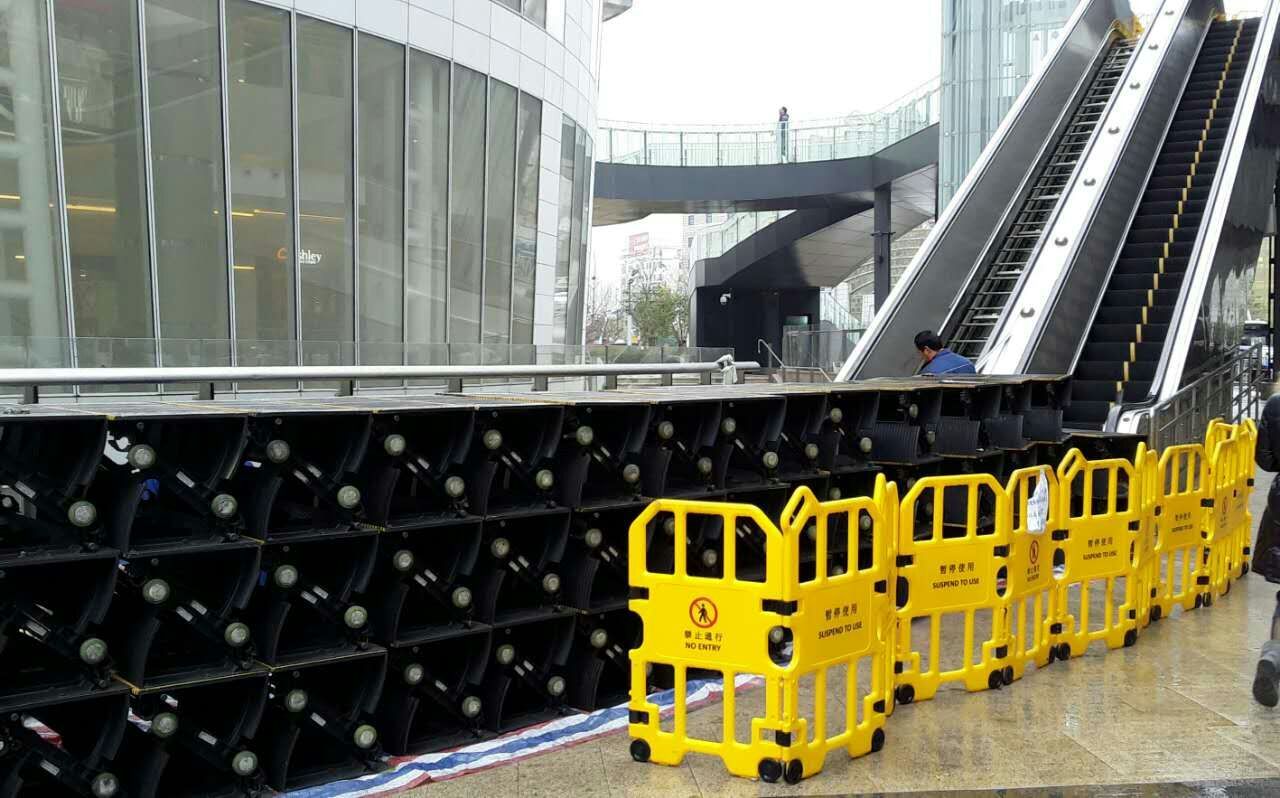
x: 1175, y: 708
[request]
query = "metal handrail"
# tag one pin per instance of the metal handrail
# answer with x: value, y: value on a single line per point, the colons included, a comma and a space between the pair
x: 32, y: 379
x: 772, y: 354
x: 1232, y: 390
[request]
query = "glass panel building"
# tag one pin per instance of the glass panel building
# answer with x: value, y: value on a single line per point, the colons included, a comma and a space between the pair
x: 989, y: 50
x: 277, y: 182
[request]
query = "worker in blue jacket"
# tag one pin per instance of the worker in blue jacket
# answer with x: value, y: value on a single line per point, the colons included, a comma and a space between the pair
x: 937, y: 358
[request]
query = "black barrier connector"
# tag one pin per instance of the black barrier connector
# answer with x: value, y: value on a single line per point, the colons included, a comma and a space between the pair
x: 423, y: 582
x: 306, y: 600
x: 599, y: 662
x: 46, y: 470
x: 749, y: 429
x: 599, y: 459
x: 680, y: 456
x: 191, y: 740
x: 175, y: 617
x: 414, y: 472
x: 319, y: 722
x: 50, y: 647
x: 527, y: 678
x: 432, y: 694
x: 511, y: 465
x: 803, y: 449
x: 167, y: 483
x: 595, y: 562
x: 299, y: 474
x: 63, y: 749
x: 520, y: 566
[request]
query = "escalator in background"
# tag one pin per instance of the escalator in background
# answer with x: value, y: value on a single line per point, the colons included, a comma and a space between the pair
x: 1120, y: 355
x: 985, y: 305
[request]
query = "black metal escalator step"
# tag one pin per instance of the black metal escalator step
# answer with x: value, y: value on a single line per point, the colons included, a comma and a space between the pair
x: 1094, y: 390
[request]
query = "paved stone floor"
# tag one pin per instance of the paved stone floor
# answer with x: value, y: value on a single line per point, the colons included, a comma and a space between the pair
x: 1171, y: 716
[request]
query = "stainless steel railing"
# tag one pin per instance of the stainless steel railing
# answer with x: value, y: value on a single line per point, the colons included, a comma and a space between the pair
x: 1233, y: 389
x: 454, y: 377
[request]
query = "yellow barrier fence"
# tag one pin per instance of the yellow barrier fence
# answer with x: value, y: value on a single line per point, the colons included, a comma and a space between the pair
x: 842, y: 627
x: 1034, y: 549
x: 961, y: 568
x: 1101, y: 506
x: 846, y: 615
x: 723, y: 624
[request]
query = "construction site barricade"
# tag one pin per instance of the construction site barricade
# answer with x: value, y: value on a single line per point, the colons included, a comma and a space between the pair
x: 1102, y: 507
x: 960, y: 567
x: 723, y: 624
x: 842, y: 628
x: 1034, y: 547
x: 1182, y: 529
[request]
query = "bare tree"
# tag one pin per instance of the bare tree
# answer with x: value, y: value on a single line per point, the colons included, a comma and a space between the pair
x: 602, y: 317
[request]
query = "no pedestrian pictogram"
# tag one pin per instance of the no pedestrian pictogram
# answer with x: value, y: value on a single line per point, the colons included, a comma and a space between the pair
x: 1035, y: 552
x: 703, y: 613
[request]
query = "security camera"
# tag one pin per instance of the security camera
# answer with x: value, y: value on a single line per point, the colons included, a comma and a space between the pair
x: 724, y: 298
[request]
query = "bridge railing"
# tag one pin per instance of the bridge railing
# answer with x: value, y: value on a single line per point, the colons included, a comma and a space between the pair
x: 797, y: 141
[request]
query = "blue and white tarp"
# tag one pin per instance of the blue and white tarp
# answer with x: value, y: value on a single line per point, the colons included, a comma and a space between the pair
x: 414, y: 771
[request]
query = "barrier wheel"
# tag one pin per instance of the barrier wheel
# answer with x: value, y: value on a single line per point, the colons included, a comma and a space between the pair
x: 1156, y: 614
x: 995, y: 680
x: 1008, y: 674
x: 1064, y: 651
x: 640, y: 750
x: 877, y: 740
x: 794, y: 772
x: 1053, y: 654
x: 904, y: 694
x: 1199, y: 601
x: 1244, y: 568
x: 1130, y: 637
x: 1208, y: 601
x: 770, y: 770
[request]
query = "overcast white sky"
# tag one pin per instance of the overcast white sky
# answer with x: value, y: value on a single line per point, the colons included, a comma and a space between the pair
x: 701, y: 61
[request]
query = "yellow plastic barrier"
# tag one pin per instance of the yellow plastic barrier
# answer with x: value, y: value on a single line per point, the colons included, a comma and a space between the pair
x: 1231, y: 466
x: 1183, y: 484
x: 843, y: 622
x: 1036, y: 520
x: 844, y: 583
x: 1102, y: 507
x: 957, y: 569
x: 1223, y: 454
x: 1247, y: 433
x: 722, y: 624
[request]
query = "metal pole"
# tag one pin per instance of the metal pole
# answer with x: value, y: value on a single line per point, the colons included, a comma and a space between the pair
x: 883, y: 237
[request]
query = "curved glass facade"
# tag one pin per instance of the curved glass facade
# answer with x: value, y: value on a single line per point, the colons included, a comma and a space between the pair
x: 209, y: 182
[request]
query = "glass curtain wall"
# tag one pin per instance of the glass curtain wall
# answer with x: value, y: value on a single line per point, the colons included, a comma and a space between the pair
x: 528, y: 158
x: 325, y: 192
x: 100, y: 80
x: 267, y: 188
x: 989, y: 50
x: 380, y: 128
x: 33, y: 299
x: 466, y: 207
x: 184, y: 95
x: 564, y: 231
x: 427, y: 165
x: 260, y: 119
x: 500, y: 175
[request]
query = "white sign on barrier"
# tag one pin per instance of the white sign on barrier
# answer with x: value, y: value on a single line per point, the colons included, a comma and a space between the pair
x: 1038, y: 504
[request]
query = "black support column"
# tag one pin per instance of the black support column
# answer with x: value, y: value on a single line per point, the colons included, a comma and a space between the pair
x: 883, y: 238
